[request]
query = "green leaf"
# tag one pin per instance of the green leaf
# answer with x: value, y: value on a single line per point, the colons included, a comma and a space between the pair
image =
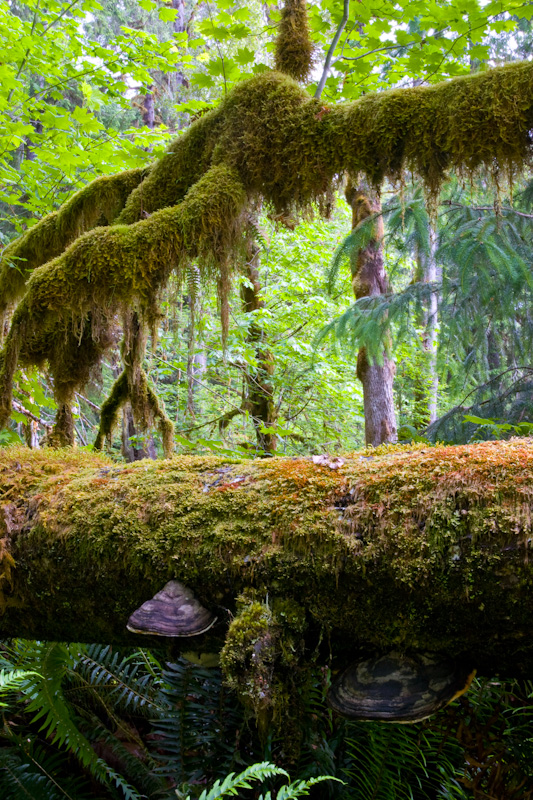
x: 168, y: 14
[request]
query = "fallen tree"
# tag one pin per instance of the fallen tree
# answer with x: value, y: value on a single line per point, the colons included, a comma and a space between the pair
x: 410, y: 548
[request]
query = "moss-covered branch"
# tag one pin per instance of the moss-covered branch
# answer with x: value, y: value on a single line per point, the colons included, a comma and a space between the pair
x: 98, y: 203
x: 267, y: 138
x: 67, y: 315
x: 409, y: 549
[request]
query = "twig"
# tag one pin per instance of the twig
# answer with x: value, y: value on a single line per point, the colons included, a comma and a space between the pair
x: 225, y: 416
x: 217, y: 394
x: 488, y: 208
x: 21, y: 410
x: 89, y: 402
x: 333, y: 45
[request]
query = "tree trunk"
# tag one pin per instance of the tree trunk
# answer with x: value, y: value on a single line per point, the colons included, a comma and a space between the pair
x: 196, y: 356
x: 260, y: 400
x: 426, y: 393
x: 419, y: 549
x: 148, y: 108
x: 130, y: 444
x: 180, y: 27
x: 368, y: 279
x: 430, y: 338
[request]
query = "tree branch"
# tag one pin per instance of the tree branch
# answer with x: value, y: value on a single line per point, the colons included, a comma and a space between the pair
x: 333, y: 45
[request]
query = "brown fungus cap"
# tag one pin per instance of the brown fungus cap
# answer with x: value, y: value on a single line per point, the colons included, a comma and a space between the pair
x: 398, y: 688
x: 174, y: 611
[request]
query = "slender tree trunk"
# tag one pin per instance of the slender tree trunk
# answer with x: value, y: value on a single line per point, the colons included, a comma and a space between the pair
x: 180, y: 27
x: 260, y: 400
x: 196, y: 355
x: 430, y: 338
x: 148, y: 108
x: 369, y: 279
x: 426, y: 392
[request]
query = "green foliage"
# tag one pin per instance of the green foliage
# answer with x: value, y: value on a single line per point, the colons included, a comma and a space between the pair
x: 259, y: 772
x: 55, y: 80
x: 400, y: 762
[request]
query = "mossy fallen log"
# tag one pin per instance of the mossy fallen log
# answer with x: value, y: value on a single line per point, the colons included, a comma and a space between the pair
x: 412, y: 549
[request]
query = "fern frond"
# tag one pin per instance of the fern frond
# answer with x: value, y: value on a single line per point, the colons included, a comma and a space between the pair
x: 48, y: 704
x: 28, y: 770
x: 358, y: 239
x: 301, y: 788
x: 11, y: 679
x: 120, y: 682
x: 232, y: 782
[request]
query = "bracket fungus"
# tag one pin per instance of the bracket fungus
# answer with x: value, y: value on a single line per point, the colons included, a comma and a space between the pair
x: 172, y: 612
x: 399, y: 688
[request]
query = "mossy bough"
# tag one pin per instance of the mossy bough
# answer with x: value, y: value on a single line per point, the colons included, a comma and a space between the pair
x: 424, y: 549
x: 267, y: 138
x: 68, y: 313
x: 99, y: 203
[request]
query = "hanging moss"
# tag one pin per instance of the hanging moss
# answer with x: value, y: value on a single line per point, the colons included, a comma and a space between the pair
x: 294, y: 48
x: 110, y: 410
x: 67, y: 315
x: 152, y: 412
x: 98, y: 203
x: 466, y: 123
x: 268, y: 139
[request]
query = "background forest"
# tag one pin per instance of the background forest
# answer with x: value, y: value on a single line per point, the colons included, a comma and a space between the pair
x: 91, y: 89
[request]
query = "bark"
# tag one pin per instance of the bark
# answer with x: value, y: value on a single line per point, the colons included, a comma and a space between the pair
x: 260, y: 401
x: 130, y: 448
x: 416, y: 548
x: 368, y: 279
x: 148, y: 108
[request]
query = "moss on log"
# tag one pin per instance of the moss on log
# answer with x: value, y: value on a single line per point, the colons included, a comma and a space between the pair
x: 410, y: 548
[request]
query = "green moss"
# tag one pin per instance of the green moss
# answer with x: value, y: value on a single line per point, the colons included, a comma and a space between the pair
x: 67, y: 315
x: 147, y: 406
x: 262, y: 661
x: 268, y: 139
x: 98, y: 203
x: 409, y: 548
x: 183, y: 164
x: 110, y: 410
x: 463, y: 124
x: 294, y: 48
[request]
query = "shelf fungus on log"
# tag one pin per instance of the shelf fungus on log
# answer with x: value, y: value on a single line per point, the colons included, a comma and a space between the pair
x: 172, y: 612
x: 399, y: 688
